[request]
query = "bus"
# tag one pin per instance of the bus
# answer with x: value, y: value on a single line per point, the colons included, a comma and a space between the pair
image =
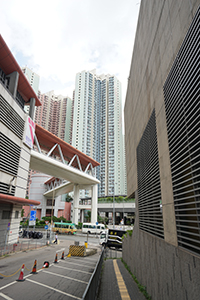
x: 61, y: 227
x: 92, y: 228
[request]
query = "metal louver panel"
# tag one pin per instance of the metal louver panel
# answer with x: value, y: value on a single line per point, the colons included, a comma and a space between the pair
x: 7, y: 189
x: 182, y: 105
x: 149, y: 191
x: 10, y: 118
x: 9, y: 155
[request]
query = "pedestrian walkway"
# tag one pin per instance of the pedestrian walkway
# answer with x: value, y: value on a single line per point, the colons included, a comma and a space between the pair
x: 117, y: 283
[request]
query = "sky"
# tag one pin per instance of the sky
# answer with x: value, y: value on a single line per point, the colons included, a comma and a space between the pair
x: 58, y: 39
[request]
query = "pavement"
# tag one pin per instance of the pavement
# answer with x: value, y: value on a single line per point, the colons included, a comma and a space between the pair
x: 117, y: 283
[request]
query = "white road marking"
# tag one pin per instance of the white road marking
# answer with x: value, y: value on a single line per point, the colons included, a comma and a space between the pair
x: 63, y: 249
x: 5, y: 296
x: 51, y: 288
x: 5, y: 286
x: 73, y: 269
x: 85, y: 266
x: 56, y: 274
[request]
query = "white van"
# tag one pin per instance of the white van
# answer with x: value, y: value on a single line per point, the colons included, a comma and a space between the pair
x: 92, y: 228
x: 103, y: 238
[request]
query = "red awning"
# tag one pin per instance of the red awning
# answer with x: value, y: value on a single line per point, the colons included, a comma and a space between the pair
x: 17, y: 200
x: 47, y: 140
x: 9, y: 64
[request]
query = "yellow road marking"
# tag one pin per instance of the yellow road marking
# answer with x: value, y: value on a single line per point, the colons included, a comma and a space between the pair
x: 122, y: 287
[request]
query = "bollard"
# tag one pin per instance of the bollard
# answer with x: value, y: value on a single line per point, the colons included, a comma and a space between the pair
x: 86, y: 244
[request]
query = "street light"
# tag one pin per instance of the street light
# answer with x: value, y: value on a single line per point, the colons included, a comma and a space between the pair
x: 114, y: 204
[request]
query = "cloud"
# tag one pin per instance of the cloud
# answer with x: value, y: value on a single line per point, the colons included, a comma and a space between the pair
x: 59, y: 38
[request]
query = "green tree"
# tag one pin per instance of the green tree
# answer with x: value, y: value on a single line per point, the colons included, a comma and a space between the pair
x: 68, y: 198
x: 22, y: 212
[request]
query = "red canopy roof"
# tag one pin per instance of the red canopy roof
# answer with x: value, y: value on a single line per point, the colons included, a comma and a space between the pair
x: 8, y: 64
x: 47, y: 140
x: 17, y: 200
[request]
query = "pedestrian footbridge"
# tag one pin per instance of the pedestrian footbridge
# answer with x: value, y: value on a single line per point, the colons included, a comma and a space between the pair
x: 54, y: 157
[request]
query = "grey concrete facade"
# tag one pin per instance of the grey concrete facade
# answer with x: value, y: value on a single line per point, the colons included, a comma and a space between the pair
x: 168, y: 271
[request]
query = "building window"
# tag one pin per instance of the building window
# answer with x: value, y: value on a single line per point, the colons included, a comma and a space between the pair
x: 149, y: 190
x: 16, y: 214
x: 49, y: 202
x: 6, y: 214
x: 181, y: 95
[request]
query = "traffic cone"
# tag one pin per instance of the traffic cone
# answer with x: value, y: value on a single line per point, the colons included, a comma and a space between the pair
x: 34, y: 271
x: 56, y: 259
x: 21, y: 274
x: 46, y: 265
x: 62, y: 257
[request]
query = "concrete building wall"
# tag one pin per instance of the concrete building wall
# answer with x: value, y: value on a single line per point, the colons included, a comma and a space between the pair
x: 19, y: 181
x: 168, y: 271
x: 38, y: 188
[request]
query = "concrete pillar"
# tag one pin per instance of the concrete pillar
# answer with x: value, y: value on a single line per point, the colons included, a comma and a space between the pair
x: 94, y: 203
x: 75, y: 204
x: 32, y: 108
x: 13, y: 82
x: 82, y: 215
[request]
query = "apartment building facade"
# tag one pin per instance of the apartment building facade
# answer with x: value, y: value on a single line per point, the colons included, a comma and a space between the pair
x: 97, y: 128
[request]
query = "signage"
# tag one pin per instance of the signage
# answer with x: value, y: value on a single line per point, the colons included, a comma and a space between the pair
x: 46, y: 227
x: 31, y: 223
x: 97, y: 223
x: 29, y: 133
x: 32, y: 215
x: 46, y: 222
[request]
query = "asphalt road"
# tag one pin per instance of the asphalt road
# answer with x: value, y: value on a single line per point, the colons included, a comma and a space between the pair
x: 66, y: 279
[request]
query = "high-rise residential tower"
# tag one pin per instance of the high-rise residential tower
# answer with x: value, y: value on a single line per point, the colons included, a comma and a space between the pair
x: 33, y: 78
x: 97, y: 128
x: 55, y: 115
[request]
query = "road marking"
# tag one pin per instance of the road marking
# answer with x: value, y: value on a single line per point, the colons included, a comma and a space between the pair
x: 62, y: 249
x: 5, y: 286
x: 51, y: 288
x: 87, y: 262
x: 121, y: 284
x: 73, y: 269
x: 5, y: 296
x: 56, y: 274
x: 85, y: 266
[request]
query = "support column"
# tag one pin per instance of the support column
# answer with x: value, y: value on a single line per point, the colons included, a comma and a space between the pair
x: 75, y: 204
x: 32, y: 108
x: 82, y: 215
x: 94, y: 203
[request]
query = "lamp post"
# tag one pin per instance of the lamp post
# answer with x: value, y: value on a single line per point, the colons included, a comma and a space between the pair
x: 114, y: 204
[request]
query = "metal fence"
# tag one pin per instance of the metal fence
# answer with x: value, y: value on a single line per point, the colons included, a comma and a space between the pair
x: 22, y: 246
x: 91, y: 291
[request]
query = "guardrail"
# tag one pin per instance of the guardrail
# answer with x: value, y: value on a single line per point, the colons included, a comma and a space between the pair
x: 93, y: 285
x: 22, y: 245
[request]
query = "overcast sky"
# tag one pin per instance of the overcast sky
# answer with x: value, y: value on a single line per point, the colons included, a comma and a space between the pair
x: 57, y: 39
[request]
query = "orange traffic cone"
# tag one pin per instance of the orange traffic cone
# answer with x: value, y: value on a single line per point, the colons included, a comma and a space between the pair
x: 21, y: 274
x: 34, y: 271
x: 62, y: 257
x: 56, y: 259
x: 46, y: 265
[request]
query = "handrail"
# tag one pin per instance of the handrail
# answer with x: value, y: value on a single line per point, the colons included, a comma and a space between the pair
x: 91, y: 290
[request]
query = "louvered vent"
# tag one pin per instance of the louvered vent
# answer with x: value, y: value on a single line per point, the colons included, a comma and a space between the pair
x: 9, y: 155
x: 10, y: 118
x: 149, y: 191
x: 7, y: 189
x: 182, y: 104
